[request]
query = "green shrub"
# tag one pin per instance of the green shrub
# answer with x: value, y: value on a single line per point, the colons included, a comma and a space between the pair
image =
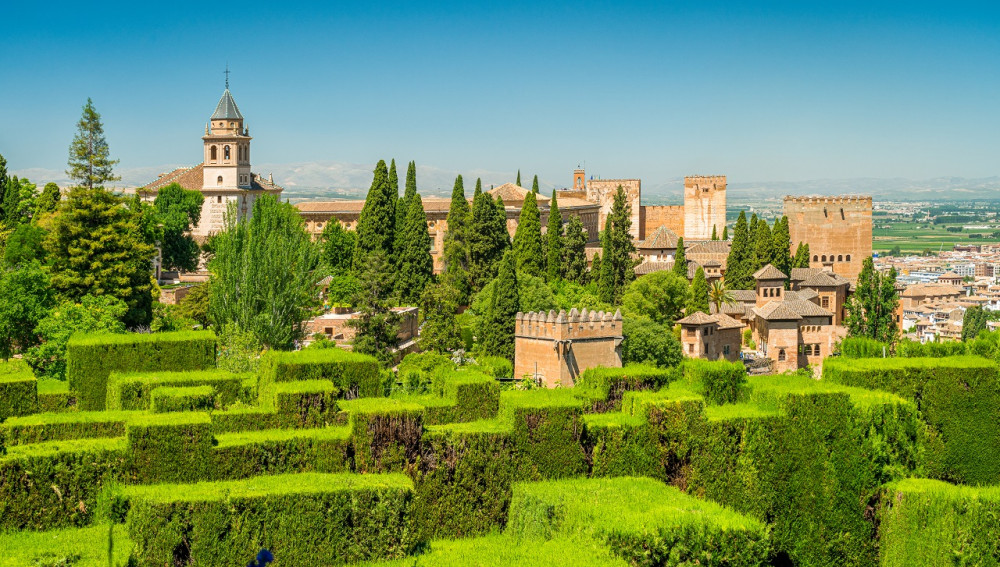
x: 189, y: 398
x: 170, y: 447
x: 278, y: 451
x: 134, y: 390
x: 641, y: 519
x: 959, y: 397
x: 355, y: 375
x: 55, y: 396
x: 42, y: 427
x: 460, y: 396
x: 303, y: 519
x: 55, y: 484
x: 251, y: 418
x: 606, y: 386
x: 91, y: 358
x: 18, y: 389
x: 305, y: 403
x: 619, y: 445
x: 496, y: 366
x: 863, y: 347
x: 385, y: 432
x: 546, y: 432
x: 931, y: 523
x: 720, y: 381
x: 916, y: 349
x: 426, y: 363
x: 502, y: 549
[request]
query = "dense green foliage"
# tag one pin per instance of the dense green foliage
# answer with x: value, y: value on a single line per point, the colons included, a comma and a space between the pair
x: 497, y: 328
x: 377, y: 325
x: 529, y: 252
x: 18, y: 390
x: 376, y: 224
x: 134, y: 390
x: 617, y: 250
x: 337, y: 248
x: 680, y: 267
x: 440, y: 331
x: 698, y: 300
x: 973, y: 322
x: 413, y: 254
x: 25, y: 300
x: 554, y: 241
x: 176, y: 211
x: 90, y: 162
x: 646, y: 341
x: 871, y: 311
x: 92, y: 315
x: 660, y: 296
x: 355, y: 375
x: 488, y: 239
x: 456, y: 243
x: 575, y: 252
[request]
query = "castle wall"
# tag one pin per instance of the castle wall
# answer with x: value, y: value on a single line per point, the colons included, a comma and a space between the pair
x: 837, y: 229
x: 653, y: 217
x: 556, y: 349
x: 602, y: 192
x: 704, y: 206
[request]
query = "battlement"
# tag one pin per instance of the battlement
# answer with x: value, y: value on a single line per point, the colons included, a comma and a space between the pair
x: 709, y: 181
x: 563, y: 326
x: 832, y: 200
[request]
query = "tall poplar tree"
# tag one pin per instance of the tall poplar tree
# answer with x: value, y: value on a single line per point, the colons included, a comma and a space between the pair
x: 90, y: 162
x: 575, y: 252
x: 680, y: 261
x: 376, y: 224
x: 618, y: 265
x: 456, y: 243
x: 496, y: 335
x: 781, y: 246
x: 534, y: 185
x: 416, y: 267
x: 528, y: 250
x: 738, y: 274
x: 699, y: 293
x: 871, y: 311
x: 554, y: 241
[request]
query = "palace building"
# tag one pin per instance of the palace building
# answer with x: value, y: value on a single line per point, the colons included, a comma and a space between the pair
x: 224, y: 176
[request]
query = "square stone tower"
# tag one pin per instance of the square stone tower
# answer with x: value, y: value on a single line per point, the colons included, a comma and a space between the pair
x: 556, y: 348
x: 837, y: 229
x: 704, y: 206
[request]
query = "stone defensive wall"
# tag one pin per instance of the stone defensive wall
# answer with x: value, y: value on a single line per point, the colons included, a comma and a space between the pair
x: 838, y: 230
x: 573, y: 325
x: 655, y: 216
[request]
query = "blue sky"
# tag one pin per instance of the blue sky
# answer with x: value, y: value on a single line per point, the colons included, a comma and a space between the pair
x: 773, y: 91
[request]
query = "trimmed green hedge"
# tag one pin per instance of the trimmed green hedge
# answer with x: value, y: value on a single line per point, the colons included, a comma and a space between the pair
x: 56, y: 484
x: 935, y: 524
x: 303, y: 519
x: 41, y: 427
x: 55, y: 396
x: 385, y: 432
x: 498, y: 367
x: 134, y: 390
x: 719, y: 381
x: 641, y: 519
x: 91, y: 358
x: 502, y: 549
x: 170, y: 447
x: 76, y: 547
x: 246, y: 419
x: 619, y: 445
x: 958, y: 396
x: 461, y: 396
x: 547, y: 429
x: 278, y: 451
x: 18, y: 389
x: 355, y: 375
x: 604, y: 387
x: 189, y: 398
x: 306, y: 403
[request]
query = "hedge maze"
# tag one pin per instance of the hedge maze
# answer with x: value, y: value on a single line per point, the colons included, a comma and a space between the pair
x: 153, y: 456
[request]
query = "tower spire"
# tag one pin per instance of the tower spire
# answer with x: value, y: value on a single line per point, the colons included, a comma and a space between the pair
x: 227, y: 75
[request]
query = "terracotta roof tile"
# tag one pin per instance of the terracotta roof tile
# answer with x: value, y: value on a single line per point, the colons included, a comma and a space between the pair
x: 769, y: 272
x: 662, y: 238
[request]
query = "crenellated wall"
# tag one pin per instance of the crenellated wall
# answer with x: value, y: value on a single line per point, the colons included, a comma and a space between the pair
x: 555, y: 348
x: 837, y: 229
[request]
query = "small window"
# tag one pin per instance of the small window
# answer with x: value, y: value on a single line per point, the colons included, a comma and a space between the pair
x: 218, y: 181
x: 219, y: 198
x: 225, y: 152
x: 816, y: 350
x: 826, y: 302
x: 214, y: 153
x: 781, y: 355
x: 328, y: 331
x: 841, y: 214
x: 725, y: 350
x: 815, y: 258
x: 848, y: 257
x: 840, y: 257
x: 824, y: 257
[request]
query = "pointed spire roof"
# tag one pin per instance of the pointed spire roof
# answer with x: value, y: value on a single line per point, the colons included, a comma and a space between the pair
x: 227, y: 109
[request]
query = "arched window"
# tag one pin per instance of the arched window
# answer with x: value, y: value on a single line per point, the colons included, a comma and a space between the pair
x: 824, y: 257
x: 218, y: 181
x: 214, y: 153
x: 781, y: 355
x: 848, y: 257
x: 815, y: 258
x: 225, y: 152
x: 840, y: 258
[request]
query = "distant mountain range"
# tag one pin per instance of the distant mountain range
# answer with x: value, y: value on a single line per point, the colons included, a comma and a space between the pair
x: 335, y: 180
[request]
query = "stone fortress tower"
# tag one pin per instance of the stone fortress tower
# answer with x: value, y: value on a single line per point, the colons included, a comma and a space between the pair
x: 837, y: 229
x: 556, y: 348
x: 704, y: 206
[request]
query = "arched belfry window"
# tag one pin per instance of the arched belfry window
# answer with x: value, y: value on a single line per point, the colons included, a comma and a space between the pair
x: 225, y: 152
x: 214, y: 153
x: 218, y: 180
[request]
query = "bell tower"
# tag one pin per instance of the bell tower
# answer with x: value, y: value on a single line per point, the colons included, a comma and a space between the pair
x: 227, y: 147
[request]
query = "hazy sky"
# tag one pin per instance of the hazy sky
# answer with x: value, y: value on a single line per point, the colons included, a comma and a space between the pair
x: 775, y: 91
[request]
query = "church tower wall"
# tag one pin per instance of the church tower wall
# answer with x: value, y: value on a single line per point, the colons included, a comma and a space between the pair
x: 704, y: 206
x: 837, y: 229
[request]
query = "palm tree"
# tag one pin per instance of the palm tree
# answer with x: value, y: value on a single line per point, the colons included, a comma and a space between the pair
x: 719, y: 295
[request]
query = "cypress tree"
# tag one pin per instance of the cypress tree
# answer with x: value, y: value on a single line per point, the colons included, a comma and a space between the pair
x: 715, y: 235
x: 518, y: 183
x: 739, y: 260
x: 575, y: 252
x: 501, y: 237
x: 528, y: 250
x: 90, y: 162
x: 762, y: 246
x: 376, y: 222
x: 753, y: 224
x: 534, y: 185
x: 680, y: 262
x: 479, y: 188
x: 725, y: 233
x: 497, y: 331
x: 10, y: 202
x: 416, y: 267
x: 781, y: 246
x: 554, y: 241
x: 456, y: 243
x: 618, y: 266
x: 699, y: 294
x: 403, y: 202
x: 801, y: 256
x: 595, y: 269
x: 487, y: 240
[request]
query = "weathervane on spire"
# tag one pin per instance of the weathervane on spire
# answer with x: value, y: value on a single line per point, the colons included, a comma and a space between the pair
x: 227, y: 75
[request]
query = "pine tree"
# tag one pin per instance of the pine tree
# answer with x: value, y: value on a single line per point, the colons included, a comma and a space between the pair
x: 534, y: 185
x: 781, y: 246
x: 518, y: 183
x: 376, y: 230
x: 575, y: 252
x: 416, y: 266
x: 497, y: 330
x: 90, y: 162
x: 871, y: 311
x: 680, y: 261
x: 762, y: 246
x: 377, y: 324
x: 554, y: 241
x: 456, y: 243
x: 715, y: 235
x: 725, y: 233
x: 528, y: 250
x: 618, y: 265
x: 738, y: 274
x: 699, y: 294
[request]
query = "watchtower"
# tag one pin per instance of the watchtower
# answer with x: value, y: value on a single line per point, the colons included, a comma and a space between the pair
x: 555, y: 348
x: 704, y: 206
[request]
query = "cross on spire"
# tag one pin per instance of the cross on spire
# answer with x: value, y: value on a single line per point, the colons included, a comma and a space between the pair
x: 227, y: 76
